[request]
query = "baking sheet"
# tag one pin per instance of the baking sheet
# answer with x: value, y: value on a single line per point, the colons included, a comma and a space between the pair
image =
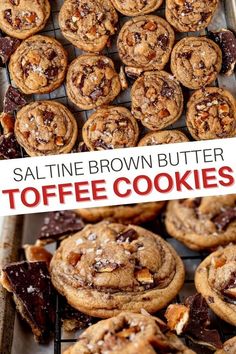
x: 23, y: 342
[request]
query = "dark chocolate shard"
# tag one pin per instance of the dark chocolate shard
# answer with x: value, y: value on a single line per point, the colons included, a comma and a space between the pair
x: 34, y: 295
x: 82, y: 147
x: 226, y: 40
x: 13, y: 100
x: 199, y: 321
x: 223, y: 219
x: 73, y: 319
x: 59, y: 224
x: 101, y: 144
x: 9, y: 147
x: 127, y: 236
x: 7, y: 47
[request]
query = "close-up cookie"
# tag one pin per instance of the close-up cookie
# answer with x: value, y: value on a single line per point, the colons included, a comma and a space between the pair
x: 202, y: 223
x: 38, y: 65
x: 229, y: 347
x: 157, y: 99
x: 196, y: 61
x: 110, y: 127
x: 215, y: 279
x: 88, y: 24
x: 128, y: 333
x: 211, y: 114
x: 163, y: 137
x: 190, y: 16
x: 136, y: 7
x: 92, y: 81
x: 125, y: 214
x: 109, y: 268
x: 46, y: 128
x: 23, y: 18
x: 146, y: 42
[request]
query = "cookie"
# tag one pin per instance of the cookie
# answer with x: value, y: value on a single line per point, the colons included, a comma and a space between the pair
x: 215, y: 279
x: 125, y: 214
x: 128, y: 333
x: 196, y: 61
x: 38, y: 65
x: 136, y: 7
x: 110, y: 128
x: 190, y: 16
x: 88, y: 24
x: 157, y: 99
x: 163, y: 137
x: 46, y: 128
x: 202, y: 223
x: 92, y: 81
x: 229, y: 347
x: 145, y: 42
x: 23, y: 18
x: 211, y: 114
x: 108, y: 268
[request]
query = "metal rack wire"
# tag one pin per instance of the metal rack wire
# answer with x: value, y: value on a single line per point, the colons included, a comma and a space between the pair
x: 191, y: 259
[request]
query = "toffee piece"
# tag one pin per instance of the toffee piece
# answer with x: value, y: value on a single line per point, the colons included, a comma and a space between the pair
x: 33, y: 294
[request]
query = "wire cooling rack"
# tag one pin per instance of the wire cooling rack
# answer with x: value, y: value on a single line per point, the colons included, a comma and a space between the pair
x: 191, y: 259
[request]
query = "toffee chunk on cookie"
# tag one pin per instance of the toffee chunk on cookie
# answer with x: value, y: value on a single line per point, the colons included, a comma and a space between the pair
x: 92, y: 81
x: 196, y: 62
x: 190, y: 16
x: 215, y: 279
x: 129, y: 333
x: 211, y: 114
x: 23, y: 18
x: 145, y: 42
x: 163, y: 137
x: 110, y: 127
x: 157, y: 99
x: 38, y: 65
x: 88, y: 24
x: 202, y: 223
x: 109, y: 268
x: 45, y: 128
x: 136, y: 7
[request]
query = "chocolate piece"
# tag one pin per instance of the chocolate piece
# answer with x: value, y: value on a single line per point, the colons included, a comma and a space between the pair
x: 226, y: 40
x: 59, y: 224
x: 127, y: 236
x: 73, y: 319
x: 82, y: 147
x: 223, y: 219
x: 7, y: 47
x: 34, y: 296
x: 13, y: 100
x: 9, y: 147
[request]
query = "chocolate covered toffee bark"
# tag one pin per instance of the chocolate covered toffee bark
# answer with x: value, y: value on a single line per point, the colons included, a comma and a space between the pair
x: 46, y: 128
x: 157, y: 99
x: 129, y: 333
x: 163, y: 137
x: 145, y: 42
x: 215, y: 279
x: 229, y: 347
x: 88, y: 24
x: 38, y: 65
x: 196, y: 61
x: 23, y: 18
x: 110, y: 127
x: 190, y: 15
x: 108, y: 268
x: 202, y: 223
x: 92, y: 81
x: 136, y: 7
x: 211, y: 114
x: 125, y: 214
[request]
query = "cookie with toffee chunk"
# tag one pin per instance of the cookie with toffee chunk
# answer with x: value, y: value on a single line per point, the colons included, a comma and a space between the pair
x: 163, y: 137
x: 136, y: 7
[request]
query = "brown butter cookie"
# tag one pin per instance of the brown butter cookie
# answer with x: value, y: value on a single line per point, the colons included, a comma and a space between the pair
x: 88, y: 24
x: 211, y: 114
x: 136, y: 7
x: 108, y: 268
x: 163, y: 137
x: 23, y: 18
x: 196, y: 61
x: 38, y: 65
x: 46, y: 128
